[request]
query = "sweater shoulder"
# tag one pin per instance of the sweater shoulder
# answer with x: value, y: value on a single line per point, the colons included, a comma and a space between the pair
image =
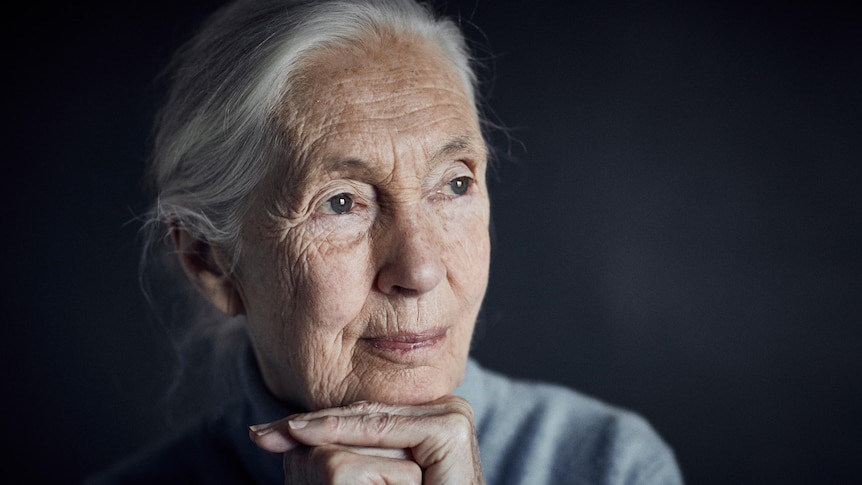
x: 548, y: 433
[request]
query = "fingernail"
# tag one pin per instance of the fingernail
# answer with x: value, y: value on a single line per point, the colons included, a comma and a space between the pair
x: 261, y: 429
x: 271, y: 440
x: 297, y: 424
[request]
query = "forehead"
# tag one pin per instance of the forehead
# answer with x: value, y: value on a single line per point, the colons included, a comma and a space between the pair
x: 377, y: 93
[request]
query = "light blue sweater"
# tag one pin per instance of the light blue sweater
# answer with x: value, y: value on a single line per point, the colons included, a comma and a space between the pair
x: 535, y: 433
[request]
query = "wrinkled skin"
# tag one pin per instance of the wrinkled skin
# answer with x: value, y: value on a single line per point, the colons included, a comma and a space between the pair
x: 364, y: 266
x: 376, y: 443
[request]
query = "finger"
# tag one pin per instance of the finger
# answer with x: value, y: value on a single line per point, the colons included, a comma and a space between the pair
x: 272, y: 438
x: 283, y: 435
x: 343, y: 465
x: 430, y: 437
x: 277, y: 441
x: 362, y: 407
x: 394, y: 453
x: 275, y: 436
x: 357, y: 408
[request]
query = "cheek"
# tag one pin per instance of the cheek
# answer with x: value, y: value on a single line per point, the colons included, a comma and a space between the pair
x: 467, y: 256
x: 332, y: 282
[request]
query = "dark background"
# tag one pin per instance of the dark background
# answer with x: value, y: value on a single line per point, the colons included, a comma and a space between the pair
x: 677, y: 213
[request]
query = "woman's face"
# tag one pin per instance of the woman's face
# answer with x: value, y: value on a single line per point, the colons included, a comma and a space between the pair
x: 364, y: 268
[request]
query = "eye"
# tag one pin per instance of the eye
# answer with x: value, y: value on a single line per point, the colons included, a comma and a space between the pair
x: 339, y: 204
x: 459, y: 185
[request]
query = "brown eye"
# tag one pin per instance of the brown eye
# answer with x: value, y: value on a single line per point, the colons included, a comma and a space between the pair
x: 341, y: 203
x: 460, y: 185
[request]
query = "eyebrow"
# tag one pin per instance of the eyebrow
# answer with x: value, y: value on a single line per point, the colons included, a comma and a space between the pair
x: 454, y: 146
x: 459, y: 144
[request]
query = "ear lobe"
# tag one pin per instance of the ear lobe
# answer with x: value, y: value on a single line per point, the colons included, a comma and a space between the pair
x: 207, y: 269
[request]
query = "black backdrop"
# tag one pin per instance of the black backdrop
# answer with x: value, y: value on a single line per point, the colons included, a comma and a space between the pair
x: 677, y: 219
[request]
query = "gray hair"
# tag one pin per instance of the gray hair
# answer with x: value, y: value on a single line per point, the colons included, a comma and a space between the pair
x: 221, y: 129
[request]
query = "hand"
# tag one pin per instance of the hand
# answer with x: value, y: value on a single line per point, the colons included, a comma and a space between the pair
x: 365, y: 442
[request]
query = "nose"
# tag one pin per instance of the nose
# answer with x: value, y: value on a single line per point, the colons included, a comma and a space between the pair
x: 410, y: 250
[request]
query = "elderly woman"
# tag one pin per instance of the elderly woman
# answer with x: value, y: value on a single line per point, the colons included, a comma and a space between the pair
x: 320, y: 170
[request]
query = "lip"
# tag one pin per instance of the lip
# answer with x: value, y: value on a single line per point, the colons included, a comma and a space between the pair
x: 407, y: 342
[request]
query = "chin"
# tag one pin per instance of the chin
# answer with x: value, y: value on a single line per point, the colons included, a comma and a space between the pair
x: 412, y: 386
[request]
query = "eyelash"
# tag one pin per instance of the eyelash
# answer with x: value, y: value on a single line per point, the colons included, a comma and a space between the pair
x: 346, y: 201
x: 343, y: 199
x: 467, y: 182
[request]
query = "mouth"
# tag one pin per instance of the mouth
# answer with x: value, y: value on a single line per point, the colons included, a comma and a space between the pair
x: 407, y: 342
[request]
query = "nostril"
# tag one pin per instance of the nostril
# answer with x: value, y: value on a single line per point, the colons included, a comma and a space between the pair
x: 403, y: 291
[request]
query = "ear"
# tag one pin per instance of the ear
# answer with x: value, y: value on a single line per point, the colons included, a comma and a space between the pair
x: 207, y: 268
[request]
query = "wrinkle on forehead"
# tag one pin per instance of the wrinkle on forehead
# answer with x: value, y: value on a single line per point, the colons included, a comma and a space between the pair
x: 343, y: 96
x: 384, y: 69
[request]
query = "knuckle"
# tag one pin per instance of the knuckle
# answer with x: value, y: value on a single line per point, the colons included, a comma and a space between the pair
x: 457, y: 404
x: 332, y: 471
x: 464, y: 408
x: 413, y: 475
x: 331, y: 464
x: 332, y: 423
x: 339, y: 466
x: 377, y: 423
x: 459, y: 428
